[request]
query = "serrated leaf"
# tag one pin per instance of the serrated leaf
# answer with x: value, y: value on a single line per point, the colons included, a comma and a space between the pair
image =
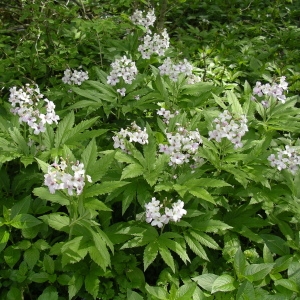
x: 131, y: 171
x: 202, y: 194
x: 206, y: 182
x: 276, y: 244
x: 103, y: 188
x: 205, y: 239
x: 196, y: 247
x: 49, y: 293
x: 75, y: 285
x: 96, y: 204
x: 39, y: 277
x: 24, y: 221
x: 91, y: 284
x: 288, y: 284
x: 186, y: 291
x: 102, y: 166
x: 235, y: 103
x: 74, y: 250
x: 31, y: 257
x: 131, y: 295
x: 11, y: 256
x: 245, y: 291
x: 89, y: 156
x: 176, y: 247
x: 89, y: 94
x: 19, y: 140
x: 150, y: 253
x: 239, y: 263
x: 48, y: 264
x: 224, y: 283
x: 157, y: 292
x: 257, y: 272
x: 21, y: 207
x: 62, y: 129
x: 205, y: 281
x: 210, y: 225
x: 45, y: 194
x: 57, y: 221
x: 4, y: 237
x: 167, y: 256
x: 74, y: 133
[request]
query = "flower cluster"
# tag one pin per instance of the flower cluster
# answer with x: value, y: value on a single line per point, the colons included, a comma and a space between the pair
x: 32, y: 108
x: 182, y: 145
x: 122, y: 67
x: 166, y: 114
x: 173, y: 71
x: 286, y: 159
x: 134, y: 133
x: 75, y: 77
x: 227, y: 127
x: 156, y: 43
x: 156, y: 218
x: 138, y: 19
x: 122, y: 91
x: 58, y: 177
x: 275, y: 90
x: 192, y: 79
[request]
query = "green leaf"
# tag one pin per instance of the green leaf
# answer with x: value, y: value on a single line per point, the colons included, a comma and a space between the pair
x: 11, y: 256
x: 91, y: 284
x: 74, y: 133
x: 63, y: 128
x: 14, y: 293
x: 196, y: 247
x: 276, y: 244
x: 150, y: 253
x: 224, y: 283
x: 24, y: 221
x: 4, y: 237
x: 288, y: 284
x: 19, y: 140
x: 21, y: 207
x: 48, y: 264
x: 205, y: 239
x: 206, y: 182
x: 39, y: 277
x: 49, y: 293
x: 89, y: 94
x: 186, y: 291
x: 74, y: 250
x: 96, y: 204
x: 131, y: 171
x: 235, y: 103
x: 131, y: 295
x: 57, y: 221
x: 75, y: 285
x: 257, y: 272
x: 102, y: 166
x: 44, y: 166
x: 31, y: 257
x: 174, y: 246
x: 245, y: 291
x: 45, y: 194
x: 89, y: 156
x: 206, y: 281
x: 239, y: 263
x: 157, y: 292
x: 103, y: 188
x: 210, y: 225
x: 202, y: 194
x: 166, y: 256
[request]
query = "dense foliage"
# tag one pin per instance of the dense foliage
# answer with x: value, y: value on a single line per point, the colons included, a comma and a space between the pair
x: 149, y: 149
